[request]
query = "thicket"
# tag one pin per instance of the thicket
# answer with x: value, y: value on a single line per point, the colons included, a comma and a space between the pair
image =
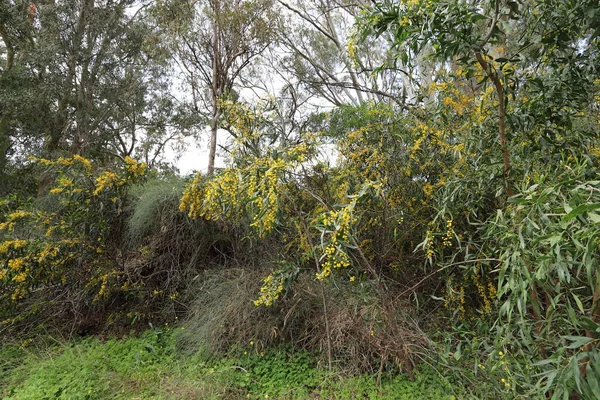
x: 460, y: 230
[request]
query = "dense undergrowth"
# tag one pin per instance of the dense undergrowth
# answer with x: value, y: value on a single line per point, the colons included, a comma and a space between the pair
x: 458, y: 231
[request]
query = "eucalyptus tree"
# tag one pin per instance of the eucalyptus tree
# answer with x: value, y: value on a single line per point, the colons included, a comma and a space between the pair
x: 214, y: 43
x: 16, y: 97
x: 84, y: 77
x: 318, y: 49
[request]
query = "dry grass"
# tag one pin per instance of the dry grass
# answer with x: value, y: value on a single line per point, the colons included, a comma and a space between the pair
x: 366, y: 332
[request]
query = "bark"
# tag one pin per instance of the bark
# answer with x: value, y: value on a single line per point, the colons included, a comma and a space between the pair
x: 501, y: 119
x: 10, y: 51
x: 215, y: 92
x: 4, y: 148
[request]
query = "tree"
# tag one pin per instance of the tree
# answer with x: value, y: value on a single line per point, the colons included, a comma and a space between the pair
x: 15, y: 94
x: 214, y: 42
x: 499, y: 38
x: 321, y: 54
x: 531, y: 66
x: 83, y: 77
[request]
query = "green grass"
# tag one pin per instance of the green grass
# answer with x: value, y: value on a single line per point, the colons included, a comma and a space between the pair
x: 150, y: 367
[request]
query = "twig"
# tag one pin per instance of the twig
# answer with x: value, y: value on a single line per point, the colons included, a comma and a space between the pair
x: 410, y: 289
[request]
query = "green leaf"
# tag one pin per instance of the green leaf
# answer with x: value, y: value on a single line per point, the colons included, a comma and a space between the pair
x: 594, y: 217
x: 578, y: 341
x: 579, y: 303
x: 588, y: 324
x: 458, y: 353
x: 581, y: 210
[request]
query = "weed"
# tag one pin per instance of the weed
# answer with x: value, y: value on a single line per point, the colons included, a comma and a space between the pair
x: 149, y: 366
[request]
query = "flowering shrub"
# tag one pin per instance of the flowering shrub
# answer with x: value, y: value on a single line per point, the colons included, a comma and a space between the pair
x: 328, y: 218
x: 67, y: 238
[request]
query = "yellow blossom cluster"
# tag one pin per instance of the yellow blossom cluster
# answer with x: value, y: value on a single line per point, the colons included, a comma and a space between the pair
x: 55, y: 240
x: 252, y: 190
x: 431, y: 240
x: 21, y: 277
x: 192, y: 197
x: 242, y: 120
x: 19, y: 214
x: 16, y: 264
x: 364, y: 160
x: 213, y: 199
x: 106, y: 180
x: 487, y: 294
x: 447, y: 239
x: 134, y: 167
x: 352, y: 51
x: 428, y: 189
x: 266, y: 201
x: 428, y: 244
x: 83, y: 161
x: 65, y: 162
x: 14, y: 244
x: 270, y: 291
x: 49, y: 250
x: 337, y: 226
x: 18, y: 294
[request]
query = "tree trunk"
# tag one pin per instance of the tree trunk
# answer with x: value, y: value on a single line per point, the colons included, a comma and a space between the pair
x: 501, y: 120
x: 10, y: 51
x: 213, y: 140
x: 215, y: 89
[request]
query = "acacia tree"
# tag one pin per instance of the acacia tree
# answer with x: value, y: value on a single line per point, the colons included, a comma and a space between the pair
x: 497, y: 40
x: 532, y: 66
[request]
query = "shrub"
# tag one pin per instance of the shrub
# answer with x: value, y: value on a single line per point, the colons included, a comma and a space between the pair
x: 59, y: 255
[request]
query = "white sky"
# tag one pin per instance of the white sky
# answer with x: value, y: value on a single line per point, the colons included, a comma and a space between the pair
x: 195, y: 154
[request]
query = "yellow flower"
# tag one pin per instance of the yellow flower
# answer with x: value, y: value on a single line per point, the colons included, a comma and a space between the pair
x: 20, y: 277
x: 105, y: 180
x: 65, y: 161
x: 17, y: 294
x: 18, y: 215
x: 270, y: 291
x: 352, y: 278
x: 134, y: 167
x: 86, y: 163
x: 16, y: 264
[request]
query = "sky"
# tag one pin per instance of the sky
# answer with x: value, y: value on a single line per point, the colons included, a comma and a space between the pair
x: 195, y: 155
